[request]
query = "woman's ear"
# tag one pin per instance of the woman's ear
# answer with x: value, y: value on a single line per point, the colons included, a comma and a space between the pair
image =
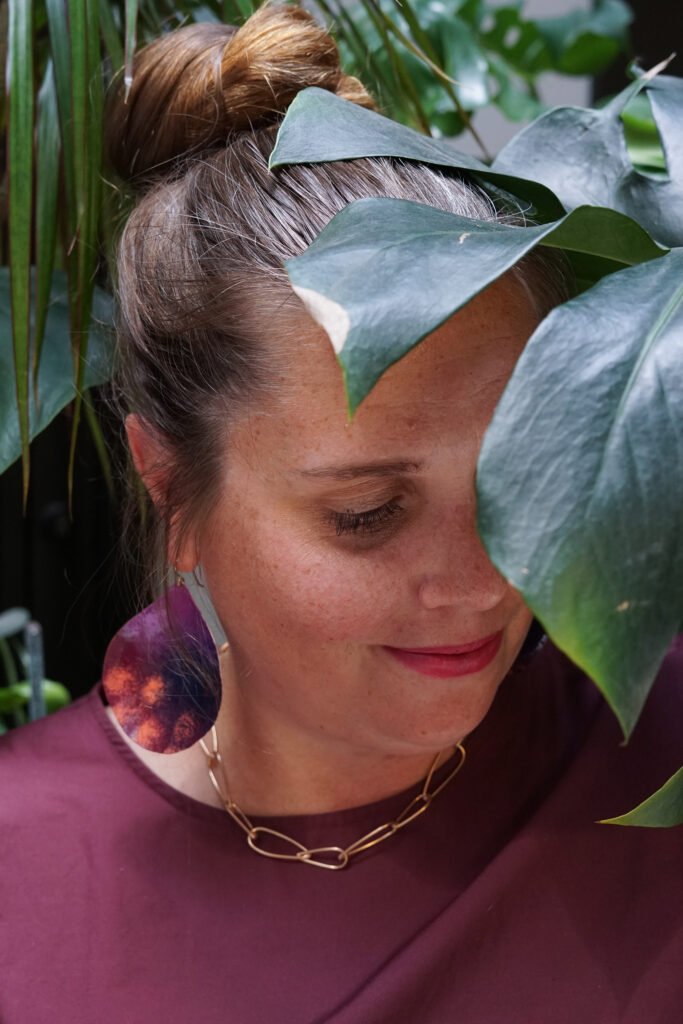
x: 147, y: 456
x: 153, y: 465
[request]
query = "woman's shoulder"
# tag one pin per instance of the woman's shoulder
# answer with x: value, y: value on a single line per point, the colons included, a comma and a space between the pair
x: 76, y: 766
x: 49, y: 758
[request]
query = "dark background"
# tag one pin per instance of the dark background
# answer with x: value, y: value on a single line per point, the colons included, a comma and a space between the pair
x: 68, y: 570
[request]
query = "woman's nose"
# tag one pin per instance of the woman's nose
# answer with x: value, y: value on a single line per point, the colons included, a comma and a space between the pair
x: 458, y: 571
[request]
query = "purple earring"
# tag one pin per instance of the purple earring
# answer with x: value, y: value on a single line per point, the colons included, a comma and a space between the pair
x: 161, y: 674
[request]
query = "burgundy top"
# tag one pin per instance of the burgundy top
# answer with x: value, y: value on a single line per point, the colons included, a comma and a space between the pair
x: 123, y: 901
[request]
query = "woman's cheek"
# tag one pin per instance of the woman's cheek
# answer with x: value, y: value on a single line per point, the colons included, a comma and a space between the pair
x: 331, y: 594
x: 278, y: 578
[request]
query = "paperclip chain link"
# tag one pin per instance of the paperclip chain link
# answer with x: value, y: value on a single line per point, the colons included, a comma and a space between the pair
x: 333, y: 858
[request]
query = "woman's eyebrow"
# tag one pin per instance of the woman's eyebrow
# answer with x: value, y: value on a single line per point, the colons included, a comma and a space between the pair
x: 350, y: 472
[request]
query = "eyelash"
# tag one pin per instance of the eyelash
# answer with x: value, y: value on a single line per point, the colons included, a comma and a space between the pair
x: 365, y: 522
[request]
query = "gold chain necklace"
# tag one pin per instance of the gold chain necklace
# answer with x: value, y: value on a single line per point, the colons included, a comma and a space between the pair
x: 331, y: 857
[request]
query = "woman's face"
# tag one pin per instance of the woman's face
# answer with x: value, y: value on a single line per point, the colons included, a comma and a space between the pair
x: 341, y: 556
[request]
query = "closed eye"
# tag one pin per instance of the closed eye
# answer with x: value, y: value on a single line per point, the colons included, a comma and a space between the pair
x: 371, y: 521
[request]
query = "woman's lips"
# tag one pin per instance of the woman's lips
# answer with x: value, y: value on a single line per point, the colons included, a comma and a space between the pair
x: 447, y: 662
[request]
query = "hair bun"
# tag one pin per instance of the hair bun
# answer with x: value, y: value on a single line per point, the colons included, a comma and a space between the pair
x: 193, y: 87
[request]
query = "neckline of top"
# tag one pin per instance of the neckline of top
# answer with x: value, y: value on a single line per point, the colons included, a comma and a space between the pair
x: 362, y: 813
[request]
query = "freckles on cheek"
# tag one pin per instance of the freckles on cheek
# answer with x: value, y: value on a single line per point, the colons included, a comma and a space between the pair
x: 330, y: 596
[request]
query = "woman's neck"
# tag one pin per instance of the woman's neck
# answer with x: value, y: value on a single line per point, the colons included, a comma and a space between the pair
x: 274, y: 767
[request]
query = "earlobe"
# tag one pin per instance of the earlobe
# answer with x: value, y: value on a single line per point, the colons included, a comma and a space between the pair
x: 185, y: 554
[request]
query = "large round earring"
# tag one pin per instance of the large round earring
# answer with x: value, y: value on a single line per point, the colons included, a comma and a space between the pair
x: 161, y: 674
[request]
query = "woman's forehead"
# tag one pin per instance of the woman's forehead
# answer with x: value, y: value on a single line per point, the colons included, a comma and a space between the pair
x: 450, y: 381
x: 476, y: 334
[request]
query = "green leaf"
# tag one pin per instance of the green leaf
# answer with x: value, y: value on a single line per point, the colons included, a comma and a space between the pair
x: 514, y: 98
x: 353, y: 31
x: 417, y: 31
x: 110, y: 35
x: 100, y: 445
x: 661, y: 810
x: 417, y: 40
x: 589, y: 55
x: 78, y: 46
x: 321, y: 127
x: 8, y: 661
x: 131, y: 36
x: 12, y: 698
x: 56, y: 695
x: 399, y: 61
x: 642, y: 138
x: 240, y: 11
x: 518, y: 41
x: 20, y: 104
x: 581, y: 155
x: 59, y: 47
x: 55, y: 376
x: 18, y: 695
x: 47, y: 182
x: 580, y: 478
x: 407, y: 86
x: 586, y: 42
x: 384, y: 273
x: 86, y: 94
x: 465, y: 62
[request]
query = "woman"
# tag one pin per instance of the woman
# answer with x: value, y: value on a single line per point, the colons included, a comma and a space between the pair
x: 370, y: 644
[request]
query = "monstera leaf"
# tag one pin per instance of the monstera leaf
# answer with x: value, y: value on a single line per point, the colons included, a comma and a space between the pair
x: 580, y: 485
x: 661, y: 810
x: 581, y: 155
x: 319, y: 127
x: 580, y: 478
x: 384, y: 273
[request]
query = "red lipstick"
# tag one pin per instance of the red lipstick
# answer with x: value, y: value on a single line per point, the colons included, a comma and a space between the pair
x: 448, y: 662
